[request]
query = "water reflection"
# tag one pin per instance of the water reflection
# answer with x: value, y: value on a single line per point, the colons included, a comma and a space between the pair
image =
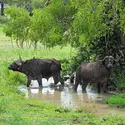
x: 66, y: 97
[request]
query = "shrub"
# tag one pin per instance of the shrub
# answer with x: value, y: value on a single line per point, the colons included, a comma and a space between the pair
x: 83, y: 55
x: 118, y: 78
x: 4, y: 19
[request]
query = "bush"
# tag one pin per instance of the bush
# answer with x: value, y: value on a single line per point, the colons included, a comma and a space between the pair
x: 66, y: 67
x: 118, y: 79
x: 83, y: 55
x: 4, y: 19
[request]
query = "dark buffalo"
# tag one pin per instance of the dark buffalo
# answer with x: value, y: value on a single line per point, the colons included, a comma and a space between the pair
x: 95, y: 73
x: 36, y: 69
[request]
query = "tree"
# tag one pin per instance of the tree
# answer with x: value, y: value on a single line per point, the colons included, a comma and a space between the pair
x: 49, y: 24
x: 93, y: 24
x: 2, y: 8
x: 18, y: 27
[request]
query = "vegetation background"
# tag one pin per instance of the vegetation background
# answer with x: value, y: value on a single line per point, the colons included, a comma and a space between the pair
x: 94, y: 28
x: 74, y: 31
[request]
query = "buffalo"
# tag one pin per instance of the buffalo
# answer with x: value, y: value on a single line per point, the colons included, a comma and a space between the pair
x: 36, y: 69
x: 97, y: 73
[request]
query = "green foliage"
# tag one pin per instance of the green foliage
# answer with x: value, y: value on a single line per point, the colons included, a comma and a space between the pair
x: 41, y: 24
x: 19, y: 24
x: 62, y: 19
x: 88, y: 23
x: 66, y: 67
x: 119, y: 79
x: 47, y: 25
x: 16, y: 1
x: 3, y: 20
x: 38, y: 3
x: 62, y: 110
x: 84, y: 55
x: 77, y: 22
x: 118, y: 100
x: 11, y: 77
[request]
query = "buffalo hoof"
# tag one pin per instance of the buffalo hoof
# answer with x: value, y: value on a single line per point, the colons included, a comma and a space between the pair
x: 40, y: 86
x: 98, y: 91
x: 75, y: 90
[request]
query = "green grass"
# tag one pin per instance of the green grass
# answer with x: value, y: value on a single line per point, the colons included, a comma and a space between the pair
x: 15, y: 109
x: 117, y: 100
x: 7, y: 52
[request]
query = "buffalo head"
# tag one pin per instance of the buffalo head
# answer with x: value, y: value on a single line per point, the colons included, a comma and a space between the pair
x: 15, y: 65
x: 109, y: 62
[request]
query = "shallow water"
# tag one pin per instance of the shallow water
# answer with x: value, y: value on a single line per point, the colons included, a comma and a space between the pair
x: 66, y: 97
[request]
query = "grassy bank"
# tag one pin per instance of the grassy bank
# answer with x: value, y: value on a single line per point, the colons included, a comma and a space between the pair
x: 117, y: 100
x: 17, y: 110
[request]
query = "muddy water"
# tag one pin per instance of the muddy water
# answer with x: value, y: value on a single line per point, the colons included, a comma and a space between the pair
x: 66, y: 97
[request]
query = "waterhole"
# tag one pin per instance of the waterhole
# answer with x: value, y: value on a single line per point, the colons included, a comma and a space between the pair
x: 90, y: 100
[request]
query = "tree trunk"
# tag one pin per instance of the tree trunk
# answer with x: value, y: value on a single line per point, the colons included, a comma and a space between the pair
x: 2, y: 8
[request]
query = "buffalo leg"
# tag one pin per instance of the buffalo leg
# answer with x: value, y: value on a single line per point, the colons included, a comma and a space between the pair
x: 72, y: 77
x: 98, y: 87
x: 84, y: 85
x: 77, y: 81
x: 57, y: 78
x: 60, y: 79
x: 76, y: 85
x: 39, y: 79
x: 29, y: 78
x: 105, y: 86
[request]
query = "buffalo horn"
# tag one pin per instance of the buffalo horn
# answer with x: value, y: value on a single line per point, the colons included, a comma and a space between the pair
x: 18, y: 62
